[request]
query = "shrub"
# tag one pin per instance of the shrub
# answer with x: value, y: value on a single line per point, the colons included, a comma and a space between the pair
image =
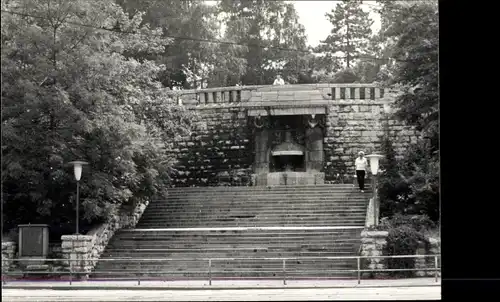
x: 402, y: 240
x: 405, y: 233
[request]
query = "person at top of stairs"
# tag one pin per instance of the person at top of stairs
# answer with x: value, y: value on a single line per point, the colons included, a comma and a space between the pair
x: 361, y: 170
x: 278, y: 80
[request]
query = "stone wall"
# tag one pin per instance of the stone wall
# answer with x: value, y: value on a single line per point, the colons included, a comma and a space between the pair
x: 358, y: 125
x: 372, y: 244
x: 219, y: 151
x: 8, y: 253
x: 85, y: 249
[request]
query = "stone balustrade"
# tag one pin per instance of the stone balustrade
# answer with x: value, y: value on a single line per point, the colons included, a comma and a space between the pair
x: 8, y: 253
x: 242, y: 94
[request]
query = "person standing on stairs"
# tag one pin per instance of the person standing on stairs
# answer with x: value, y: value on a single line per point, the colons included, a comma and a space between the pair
x: 361, y: 170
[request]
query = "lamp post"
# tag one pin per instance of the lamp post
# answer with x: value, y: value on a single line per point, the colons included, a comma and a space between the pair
x: 374, y: 163
x: 77, y: 167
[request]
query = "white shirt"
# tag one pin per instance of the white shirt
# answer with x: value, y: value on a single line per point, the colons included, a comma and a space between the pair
x: 279, y: 82
x: 361, y: 164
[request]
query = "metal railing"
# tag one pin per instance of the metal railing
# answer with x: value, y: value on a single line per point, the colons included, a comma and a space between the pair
x: 75, y: 272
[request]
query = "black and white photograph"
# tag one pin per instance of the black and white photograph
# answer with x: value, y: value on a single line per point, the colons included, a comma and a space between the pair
x: 226, y: 150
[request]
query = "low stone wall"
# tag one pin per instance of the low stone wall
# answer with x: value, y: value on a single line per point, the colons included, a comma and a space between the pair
x: 433, y: 247
x: 84, y: 250
x: 372, y: 244
x: 8, y: 253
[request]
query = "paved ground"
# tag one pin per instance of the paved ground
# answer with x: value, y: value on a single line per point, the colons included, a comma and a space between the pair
x: 219, y: 284
x: 408, y: 289
x: 343, y: 294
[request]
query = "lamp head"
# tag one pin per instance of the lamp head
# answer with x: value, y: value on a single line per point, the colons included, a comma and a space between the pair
x: 77, y: 166
x: 374, y: 162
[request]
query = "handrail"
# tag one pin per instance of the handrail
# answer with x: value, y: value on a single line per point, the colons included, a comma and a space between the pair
x: 210, y: 272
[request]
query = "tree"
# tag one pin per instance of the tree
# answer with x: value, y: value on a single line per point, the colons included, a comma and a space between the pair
x: 350, y: 33
x: 415, y: 28
x: 411, y: 29
x: 191, y: 58
x: 70, y: 91
x: 269, y: 28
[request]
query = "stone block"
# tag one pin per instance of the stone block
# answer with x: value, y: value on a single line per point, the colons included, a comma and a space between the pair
x: 302, y: 95
x: 245, y: 95
x: 366, y: 233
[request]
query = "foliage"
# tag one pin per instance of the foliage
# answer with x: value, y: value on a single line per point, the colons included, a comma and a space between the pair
x: 413, y: 28
x: 350, y: 33
x: 345, y: 76
x: 71, y: 92
x: 402, y: 240
x: 411, y: 185
x: 269, y: 28
x: 410, y: 34
x: 420, y: 223
x: 187, y: 61
x: 420, y: 171
x: 405, y: 233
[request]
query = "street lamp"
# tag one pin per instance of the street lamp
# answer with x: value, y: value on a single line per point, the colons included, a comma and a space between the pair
x: 77, y: 166
x: 374, y: 165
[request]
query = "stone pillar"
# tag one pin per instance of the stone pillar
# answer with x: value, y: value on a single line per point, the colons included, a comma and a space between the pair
x: 8, y: 254
x: 314, y: 147
x: 420, y: 263
x: 262, y: 151
x: 434, y: 249
x: 372, y: 244
x: 77, y: 249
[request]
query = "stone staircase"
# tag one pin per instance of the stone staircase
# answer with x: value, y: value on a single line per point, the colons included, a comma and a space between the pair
x: 242, y: 222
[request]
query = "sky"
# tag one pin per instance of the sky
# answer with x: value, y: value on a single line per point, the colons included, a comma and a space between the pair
x: 312, y: 16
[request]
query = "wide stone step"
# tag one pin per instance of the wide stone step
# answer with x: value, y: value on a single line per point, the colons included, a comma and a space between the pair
x: 189, y: 240
x: 324, y: 187
x: 200, y: 247
x: 258, y: 231
x: 228, y: 222
x: 277, y: 266
x: 253, y: 217
x: 243, y: 224
x: 285, y: 252
x: 256, y: 196
x: 268, y: 220
x: 231, y: 222
x: 288, y: 212
x: 193, y: 235
x: 266, y: 210
x: 263, y: 206
x: 341, y: 272
x: 201, y: 265
x: 261, y: 197
x: 270, y: 203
